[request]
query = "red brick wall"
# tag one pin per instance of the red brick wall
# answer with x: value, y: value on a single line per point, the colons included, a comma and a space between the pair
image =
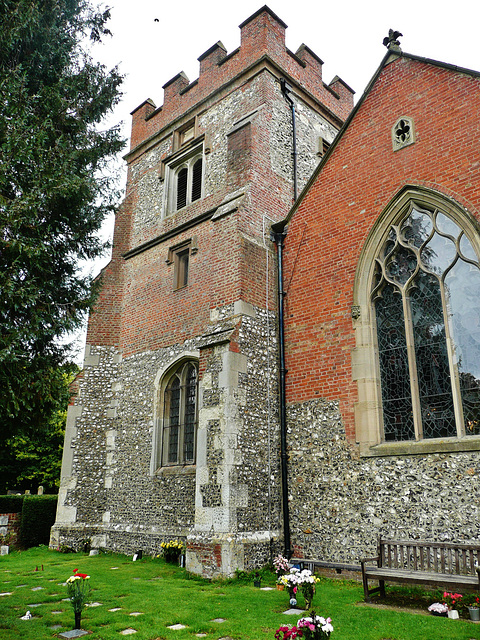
x: 13, y: 527
x: 138, y: 308
x: 362, y: 176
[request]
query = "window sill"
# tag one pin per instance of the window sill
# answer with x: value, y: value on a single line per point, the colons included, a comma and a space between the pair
x: 435, y: 445
x: 176, y: 470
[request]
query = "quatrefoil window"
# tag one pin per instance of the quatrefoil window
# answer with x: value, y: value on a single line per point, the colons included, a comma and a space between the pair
x: 403, y: 133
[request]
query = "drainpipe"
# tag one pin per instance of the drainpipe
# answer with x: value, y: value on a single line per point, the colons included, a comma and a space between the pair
x: 286, y: 90
x: 278, y: 238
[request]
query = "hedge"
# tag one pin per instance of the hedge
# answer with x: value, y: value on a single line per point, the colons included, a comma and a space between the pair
x: 38, y: 517
x: 11, y: 504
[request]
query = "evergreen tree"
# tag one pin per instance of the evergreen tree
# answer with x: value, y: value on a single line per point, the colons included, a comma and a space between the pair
x: 28, y: 461
x: 55, y: 192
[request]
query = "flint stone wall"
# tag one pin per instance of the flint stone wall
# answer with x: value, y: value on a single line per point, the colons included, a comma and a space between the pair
x: 271, y: 119
x: 341, y: 503
x: 120, y: 502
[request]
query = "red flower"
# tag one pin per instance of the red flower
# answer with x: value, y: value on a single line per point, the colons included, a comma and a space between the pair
x: 81, y: 575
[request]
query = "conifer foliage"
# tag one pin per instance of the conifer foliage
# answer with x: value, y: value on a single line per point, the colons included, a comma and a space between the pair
x: 54, y: 191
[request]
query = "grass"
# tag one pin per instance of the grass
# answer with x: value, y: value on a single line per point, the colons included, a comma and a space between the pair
x: 165, y: 595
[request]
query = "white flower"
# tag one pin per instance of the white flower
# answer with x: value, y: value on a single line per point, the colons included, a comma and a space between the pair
x: 327, y: 627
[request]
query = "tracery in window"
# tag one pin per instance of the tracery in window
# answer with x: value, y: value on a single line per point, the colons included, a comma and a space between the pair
x: 403, y: 133
x: 178, y: 442
x: 426, y: 299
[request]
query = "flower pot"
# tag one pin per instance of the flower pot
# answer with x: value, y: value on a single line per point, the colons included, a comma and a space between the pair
x: 172, y: 558
x: 474, y: 613
x: 280, y: 587
x: 78, y: 619
x: 453, y: 614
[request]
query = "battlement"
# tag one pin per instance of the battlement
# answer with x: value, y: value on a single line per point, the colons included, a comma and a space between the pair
x: 262, y: 42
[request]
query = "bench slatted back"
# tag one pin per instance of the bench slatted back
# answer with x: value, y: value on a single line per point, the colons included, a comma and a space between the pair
x: 439, y: 557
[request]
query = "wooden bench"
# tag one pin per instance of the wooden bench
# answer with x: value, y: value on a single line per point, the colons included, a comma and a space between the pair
x: 453, y: 567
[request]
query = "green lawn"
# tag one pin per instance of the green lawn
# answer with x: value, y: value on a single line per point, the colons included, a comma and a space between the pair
x: 166, y: 595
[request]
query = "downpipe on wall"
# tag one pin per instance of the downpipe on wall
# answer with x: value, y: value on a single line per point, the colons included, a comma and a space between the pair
x: 286, y: 90
x: 278, y: 238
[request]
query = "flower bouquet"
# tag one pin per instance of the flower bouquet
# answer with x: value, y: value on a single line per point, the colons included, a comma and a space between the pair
x: 281, y: 565
x: 452, y: 599
x: 291, y: 582
x: 311, y: 628
x: 303, y: 580
x: 78, y: 590
x: 307, y: 586
x: 172, y: 551
x: 438, y: 609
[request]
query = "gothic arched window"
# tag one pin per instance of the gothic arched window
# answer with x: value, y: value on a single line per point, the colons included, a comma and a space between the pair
x: 425, y: 298
x: 179, y: 411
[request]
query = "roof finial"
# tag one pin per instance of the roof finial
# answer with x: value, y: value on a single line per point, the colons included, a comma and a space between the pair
x: 391, y: 41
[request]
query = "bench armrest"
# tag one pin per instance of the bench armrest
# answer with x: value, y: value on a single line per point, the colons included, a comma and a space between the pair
x: 364, y: 560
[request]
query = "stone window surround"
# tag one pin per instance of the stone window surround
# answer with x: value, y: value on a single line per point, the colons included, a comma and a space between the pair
x: 365, y: 368
x: 185, y: 134
x: 176, y: 256
x: 185, y: 157
x: 161, y: 380
x: 407, y: 126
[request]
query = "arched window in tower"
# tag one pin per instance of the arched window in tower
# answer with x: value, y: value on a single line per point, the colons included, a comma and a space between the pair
x: 426, y: 301
x: 178, y: 442
x: 184, y: 180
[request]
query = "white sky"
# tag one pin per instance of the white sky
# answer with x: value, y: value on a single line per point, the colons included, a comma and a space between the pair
x: 346, y: 35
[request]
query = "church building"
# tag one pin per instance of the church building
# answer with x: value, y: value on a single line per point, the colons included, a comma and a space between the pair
x: 285, y: 354
x: 174, y: 430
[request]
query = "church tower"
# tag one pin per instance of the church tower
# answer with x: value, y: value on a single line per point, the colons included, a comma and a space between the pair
x: 174, y: 431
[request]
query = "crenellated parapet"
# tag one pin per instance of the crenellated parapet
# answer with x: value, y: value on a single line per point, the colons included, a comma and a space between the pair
x: 262, y: 45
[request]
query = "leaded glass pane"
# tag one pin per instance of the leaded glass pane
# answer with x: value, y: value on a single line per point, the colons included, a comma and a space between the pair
x: 417, y: 228
x: 447, y: 225
x: 466, y: 248
x: 394, y: 370
x: 180, y: 416
x: 439, y: 253
x: 462, y: 285
x: 433, y: 374
x: 401, y: 264
x: 173, y: 422
x: 447, y: 380
x: 190, y: 414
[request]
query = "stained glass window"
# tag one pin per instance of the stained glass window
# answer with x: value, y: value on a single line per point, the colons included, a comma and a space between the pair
x: 180, y: 416
x: 426, y: 298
